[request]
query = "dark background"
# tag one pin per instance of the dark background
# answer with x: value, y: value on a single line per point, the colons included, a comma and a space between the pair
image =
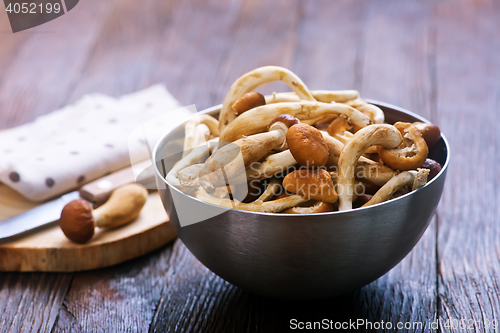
x: 439, y: 59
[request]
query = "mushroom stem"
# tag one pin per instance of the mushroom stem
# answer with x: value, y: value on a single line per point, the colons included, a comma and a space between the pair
x: 252, y: 80
x: 379, y: 134
x: 274, y: 206
x: 124, y: 205
x: 271, y: 166
x: 256, y: 120
x: 273, y: 188
x: 198, y: 130
x: 416, y: 179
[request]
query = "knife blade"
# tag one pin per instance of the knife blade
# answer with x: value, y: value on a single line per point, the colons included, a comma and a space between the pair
x: 96, y: 192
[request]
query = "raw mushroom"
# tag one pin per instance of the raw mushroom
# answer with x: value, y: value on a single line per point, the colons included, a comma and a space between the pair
x: 248, y: 101
x: 78, y: 219
x: 274, y: 206
x: 307, y: 145
x: 416, y: 179
x: 411, y: 154
x: 198, y: 130
x: 380, y: 134
x: 255, y: 120
x: 225, y: 165
x: 311, y: 184
x: 251, y: 80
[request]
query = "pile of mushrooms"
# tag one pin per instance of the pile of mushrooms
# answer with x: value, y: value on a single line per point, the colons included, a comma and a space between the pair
x: 301, y: 152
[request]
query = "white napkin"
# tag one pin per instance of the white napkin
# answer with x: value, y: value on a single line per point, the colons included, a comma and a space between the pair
x: 67, y: 148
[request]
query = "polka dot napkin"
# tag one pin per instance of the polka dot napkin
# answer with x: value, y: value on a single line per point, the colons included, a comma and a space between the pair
x: 65, y: 149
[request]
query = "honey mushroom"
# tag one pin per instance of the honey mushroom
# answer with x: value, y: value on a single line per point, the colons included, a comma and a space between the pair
x: 378, y: 134
x: 411, y: 154
x: 79, y: 220
x: 256, y: 120
x: 311, y: 184
x: 224, y: 165
x: 416, y: 179
x: 251, y: 80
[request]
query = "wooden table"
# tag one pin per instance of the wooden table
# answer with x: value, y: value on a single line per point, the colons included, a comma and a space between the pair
x: 440, y: 59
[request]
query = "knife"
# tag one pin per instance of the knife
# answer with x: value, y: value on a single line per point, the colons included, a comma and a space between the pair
x: 96, y: 192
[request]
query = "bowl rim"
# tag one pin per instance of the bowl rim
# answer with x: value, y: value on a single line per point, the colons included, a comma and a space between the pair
x: 216, y: 108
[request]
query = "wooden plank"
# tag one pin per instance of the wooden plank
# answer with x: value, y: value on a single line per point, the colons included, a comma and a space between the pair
x: 30, y: 302
x: 468, y: 91
x: 36, y: 81
x: 46, y: 67
x: 122, y: 298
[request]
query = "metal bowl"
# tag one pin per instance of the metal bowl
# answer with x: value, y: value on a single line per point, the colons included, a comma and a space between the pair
x: 303, y: 256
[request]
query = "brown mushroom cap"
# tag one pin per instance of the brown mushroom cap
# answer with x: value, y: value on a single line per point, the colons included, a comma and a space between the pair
x: 77, y: 222
x: 413, y: 152
x: 311, y: 184
x: 248, y: 101
x: 430, y: 132
x: 307, y: 145
x: 286, y: 119
x: 433, y: 166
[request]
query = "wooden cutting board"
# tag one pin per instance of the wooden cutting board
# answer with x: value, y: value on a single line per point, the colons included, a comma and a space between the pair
x: 48, y: 250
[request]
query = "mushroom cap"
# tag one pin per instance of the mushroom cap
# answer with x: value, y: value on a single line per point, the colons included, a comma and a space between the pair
x: 77, y: 222
x: 307, y: 145
x: 311, y: 184
x: 286, y: 119
x: 248, y: 101
x: 413, y: 152
x: 433, y: 166
x: 430, y: 132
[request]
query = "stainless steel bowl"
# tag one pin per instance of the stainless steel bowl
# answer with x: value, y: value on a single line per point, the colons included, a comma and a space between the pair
x: 304, y: 256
